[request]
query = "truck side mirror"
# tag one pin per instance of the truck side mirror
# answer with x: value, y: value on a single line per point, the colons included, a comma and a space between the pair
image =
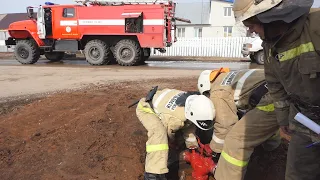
x: 30, y: 12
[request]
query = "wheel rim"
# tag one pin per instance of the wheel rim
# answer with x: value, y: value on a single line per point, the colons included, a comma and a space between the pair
x: 126, y: 54
x: 262, y: 58
x: 94, y: 53
x: 23, y: 52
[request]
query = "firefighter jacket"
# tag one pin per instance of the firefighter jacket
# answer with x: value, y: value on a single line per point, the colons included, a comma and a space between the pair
x: 292, y: 70
x: 173, y: 116
x: 230, y: 93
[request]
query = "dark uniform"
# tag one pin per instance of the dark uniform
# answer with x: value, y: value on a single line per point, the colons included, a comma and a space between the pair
x: 48, y: 22
x: 292, y: 70
x: 291, y: 36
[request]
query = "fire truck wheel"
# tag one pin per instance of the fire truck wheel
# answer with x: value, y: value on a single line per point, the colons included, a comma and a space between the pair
x: 96, y: 52
x: 54, y: 56
x: 127, y: 52
x: 27, y: 52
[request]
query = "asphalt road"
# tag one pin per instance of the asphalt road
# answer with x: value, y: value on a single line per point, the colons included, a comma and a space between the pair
x: 19, y: 80
x: 165, y: 64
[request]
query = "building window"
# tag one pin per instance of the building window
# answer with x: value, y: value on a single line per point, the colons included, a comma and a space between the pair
x: 181, y: 32
x: 68, y: 12
x: 227, y: 11
x: 227, y: 31
x: 197, y: 32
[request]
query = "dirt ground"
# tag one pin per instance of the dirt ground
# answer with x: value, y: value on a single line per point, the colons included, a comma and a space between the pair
x: 92, y: 134
x: 72, y: 122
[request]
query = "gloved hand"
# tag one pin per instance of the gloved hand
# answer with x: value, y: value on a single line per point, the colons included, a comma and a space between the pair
x: 205, y: 147
x: 207, y: 150
x: 286, y: 130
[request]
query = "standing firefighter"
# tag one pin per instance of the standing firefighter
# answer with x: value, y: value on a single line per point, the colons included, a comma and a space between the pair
x: 239, y: 95
x: 163, y: 113
x: 291, y: 42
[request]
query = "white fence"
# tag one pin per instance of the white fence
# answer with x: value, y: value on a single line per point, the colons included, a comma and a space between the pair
x: 217, y: 46
x: 202, y: 47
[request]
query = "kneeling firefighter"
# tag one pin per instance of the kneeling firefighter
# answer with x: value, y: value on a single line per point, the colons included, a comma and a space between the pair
x: 245, y: 118
x: 163, y: 113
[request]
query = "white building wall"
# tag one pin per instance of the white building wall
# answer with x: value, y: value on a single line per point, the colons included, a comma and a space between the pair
x: 213, y: 31
x: 189, y: 31
x: 209, y: 32
x: 218, y: 21
x: 217, y: 17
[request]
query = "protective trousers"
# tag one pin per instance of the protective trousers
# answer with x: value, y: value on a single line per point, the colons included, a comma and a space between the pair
x: 302, y: 163
x: 256, y: 127
x: 157, y: 145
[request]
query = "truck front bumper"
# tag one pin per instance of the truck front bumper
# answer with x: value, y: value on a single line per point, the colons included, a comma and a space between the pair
x: 245, y: 52
x: 10, y: 41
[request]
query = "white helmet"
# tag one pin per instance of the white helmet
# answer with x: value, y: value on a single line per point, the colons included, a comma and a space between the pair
x: 204, y: 81
x: 270, y: 10
x: 200, y: 111
x: 245, y: 9
x: 206, y: 76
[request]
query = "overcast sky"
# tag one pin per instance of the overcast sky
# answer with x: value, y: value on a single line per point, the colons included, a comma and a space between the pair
x: 15, y: 6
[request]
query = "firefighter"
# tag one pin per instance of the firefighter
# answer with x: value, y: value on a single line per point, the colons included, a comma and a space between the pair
x: 165, y: 112
x: 244, y: 118
x: 48, y: 22
x: 291, y: 41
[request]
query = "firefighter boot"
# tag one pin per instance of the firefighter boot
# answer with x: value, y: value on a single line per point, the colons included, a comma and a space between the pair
x: 150, y: 176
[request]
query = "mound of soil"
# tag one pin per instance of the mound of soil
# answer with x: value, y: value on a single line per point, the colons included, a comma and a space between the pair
x: 93, y: 135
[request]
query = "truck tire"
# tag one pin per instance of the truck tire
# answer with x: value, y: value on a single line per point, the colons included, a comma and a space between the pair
x: 96, y: 52
x: 127, y: 52
x: 54, y: 56
x: 27, y: 52
x: 259, y: 57
x: 252, y: 57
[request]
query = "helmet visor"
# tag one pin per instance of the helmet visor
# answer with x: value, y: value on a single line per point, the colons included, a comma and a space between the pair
x: 205, y: 124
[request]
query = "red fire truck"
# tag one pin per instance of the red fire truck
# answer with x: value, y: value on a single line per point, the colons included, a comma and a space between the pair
x: 102, y: 29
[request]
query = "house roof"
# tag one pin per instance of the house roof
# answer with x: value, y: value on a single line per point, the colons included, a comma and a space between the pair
x: 196, y: 12
x: 7, y: 19
x: 2, y: 16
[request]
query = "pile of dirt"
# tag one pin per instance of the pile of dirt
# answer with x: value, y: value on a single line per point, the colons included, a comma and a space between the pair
x: 92, y: 135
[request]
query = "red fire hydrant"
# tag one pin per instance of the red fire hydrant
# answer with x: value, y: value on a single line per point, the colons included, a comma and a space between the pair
x: 201, y: 165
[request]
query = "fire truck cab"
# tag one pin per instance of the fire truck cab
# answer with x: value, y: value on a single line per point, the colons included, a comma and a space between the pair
x: 104, y: 31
